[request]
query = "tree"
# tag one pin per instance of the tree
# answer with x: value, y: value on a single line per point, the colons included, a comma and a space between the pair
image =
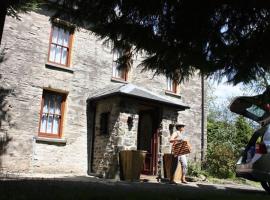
x: 13, y: 7
x: 244, y: 132
x: 227, y: 135
x: 221, y: 38
x: 258, y: 86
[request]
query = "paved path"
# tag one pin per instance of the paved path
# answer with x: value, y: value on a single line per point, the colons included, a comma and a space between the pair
x: 93, y: 188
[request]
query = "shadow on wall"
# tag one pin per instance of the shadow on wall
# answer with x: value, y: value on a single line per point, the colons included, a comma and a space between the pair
x: 5, y: 117
x: 108, y: 165
x: 102, y: 149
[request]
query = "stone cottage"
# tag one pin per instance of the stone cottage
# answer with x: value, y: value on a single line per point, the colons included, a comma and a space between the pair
x: 67, y: 109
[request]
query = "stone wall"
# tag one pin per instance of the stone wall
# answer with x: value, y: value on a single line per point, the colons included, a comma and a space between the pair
x: 104, y: 149
x: 191, y: 94
x: 25, y: 72
x: 121, y: 136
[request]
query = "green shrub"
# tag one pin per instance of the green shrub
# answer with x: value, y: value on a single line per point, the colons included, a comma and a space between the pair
x: 194, y: 169
x: 220, y: 160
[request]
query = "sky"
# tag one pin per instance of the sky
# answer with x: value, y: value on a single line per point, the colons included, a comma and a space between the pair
x: 223, y: 90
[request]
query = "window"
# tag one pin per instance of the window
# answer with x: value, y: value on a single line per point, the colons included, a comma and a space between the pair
x: 60, y: 46
x: 172, y: 85
x: 51, y: 115
x: 116, y: 72
x: 104, y: 123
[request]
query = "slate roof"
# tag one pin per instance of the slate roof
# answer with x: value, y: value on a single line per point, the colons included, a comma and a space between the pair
x: 134, y: 91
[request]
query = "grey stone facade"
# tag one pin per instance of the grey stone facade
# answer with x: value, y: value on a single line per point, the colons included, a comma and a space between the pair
x: 25, y: 74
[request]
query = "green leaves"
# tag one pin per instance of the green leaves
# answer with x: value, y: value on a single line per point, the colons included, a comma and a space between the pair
x: 222, y: 38
x: 225, y: 141
x: 22, y: 6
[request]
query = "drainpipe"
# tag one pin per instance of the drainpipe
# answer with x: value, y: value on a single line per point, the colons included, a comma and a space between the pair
x: 203, y: 120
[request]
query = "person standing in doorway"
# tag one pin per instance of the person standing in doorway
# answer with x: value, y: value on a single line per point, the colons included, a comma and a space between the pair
x: 177, y: 136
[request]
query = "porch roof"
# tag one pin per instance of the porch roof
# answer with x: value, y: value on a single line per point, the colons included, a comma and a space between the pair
x: 131, y: 90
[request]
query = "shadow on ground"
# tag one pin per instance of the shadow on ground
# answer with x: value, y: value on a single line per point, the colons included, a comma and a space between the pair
x: 100, y: 189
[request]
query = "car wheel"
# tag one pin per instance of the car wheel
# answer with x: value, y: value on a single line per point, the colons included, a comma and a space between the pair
x: 266, y: 186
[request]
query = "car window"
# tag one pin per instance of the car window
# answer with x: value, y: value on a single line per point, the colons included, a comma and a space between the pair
x: 255, y: 110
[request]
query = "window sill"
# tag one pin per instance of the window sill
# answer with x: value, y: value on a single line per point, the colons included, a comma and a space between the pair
x: 118, y: 80
x: 59, y: 141
x: 58, y: 67
x: 169, y: 93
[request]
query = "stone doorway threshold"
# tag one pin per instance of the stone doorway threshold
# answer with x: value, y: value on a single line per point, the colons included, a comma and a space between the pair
x: 148, y: 178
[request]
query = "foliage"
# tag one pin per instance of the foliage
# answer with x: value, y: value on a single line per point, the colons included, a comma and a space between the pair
x: 221, y: 160
x: 244, y: 132
x: 195, y: 170
x: 258, y: 86
x: 21, y: 6
x: 227, y: 134
x: 229, y: 38
x: 225, y: 143
x: 221, y: 149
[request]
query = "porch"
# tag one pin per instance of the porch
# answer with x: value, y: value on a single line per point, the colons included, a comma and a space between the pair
x: 128, y: 117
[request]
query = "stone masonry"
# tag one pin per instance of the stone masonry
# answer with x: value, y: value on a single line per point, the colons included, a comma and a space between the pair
x: 26, y: 73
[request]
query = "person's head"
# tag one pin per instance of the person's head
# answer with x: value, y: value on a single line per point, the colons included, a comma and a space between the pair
x: 180, y: 127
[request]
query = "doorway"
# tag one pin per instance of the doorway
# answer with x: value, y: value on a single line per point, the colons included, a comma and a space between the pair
x: 148, y: 140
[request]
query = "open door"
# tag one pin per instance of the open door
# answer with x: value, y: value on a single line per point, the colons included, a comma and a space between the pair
x: 148, y: 141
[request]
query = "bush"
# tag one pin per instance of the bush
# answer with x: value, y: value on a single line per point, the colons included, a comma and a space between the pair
x: 220, y: 160
x: 194, y: 169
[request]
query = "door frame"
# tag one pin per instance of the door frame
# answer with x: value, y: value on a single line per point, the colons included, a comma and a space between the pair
x: 153, y: 155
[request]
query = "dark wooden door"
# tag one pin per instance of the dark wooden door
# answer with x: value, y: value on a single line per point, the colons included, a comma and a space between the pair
x: 148, y: 141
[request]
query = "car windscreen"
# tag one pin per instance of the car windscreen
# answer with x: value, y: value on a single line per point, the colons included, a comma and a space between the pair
x: 250, y: 107
x: 256, y: 110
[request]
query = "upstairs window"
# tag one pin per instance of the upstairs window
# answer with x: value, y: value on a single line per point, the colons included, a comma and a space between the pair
x: 51, y: 115
x: 60, y: 46
x: 118, y: 73
x: 172, y: 85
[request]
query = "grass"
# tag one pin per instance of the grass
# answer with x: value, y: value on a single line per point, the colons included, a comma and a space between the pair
x: 234, y: 181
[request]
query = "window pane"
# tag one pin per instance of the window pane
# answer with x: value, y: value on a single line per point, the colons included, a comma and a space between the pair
x: 66, y: 38
x: 60, y: 36
x: 114, y: 71
x: 49, y: 124
x: 58, y: 105
x: 46, y: 104
x: 169, y: 84
x: 58, y: 54
x: 64, y: 56
x: 51, y: 114
x: 117, y: 73
x: 55, y: 34
x: 52, y: 104
x: 43, y: 123
x: 56, y: 123
x: 52, y: 52
x: 122, y: 73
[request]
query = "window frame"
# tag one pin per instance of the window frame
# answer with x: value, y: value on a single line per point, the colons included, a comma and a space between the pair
x: 63, y: 105
x: 69, y: 47
x: 175, y: 86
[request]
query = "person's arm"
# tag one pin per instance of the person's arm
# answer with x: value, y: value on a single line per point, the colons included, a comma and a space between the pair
x: 173, y: 138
